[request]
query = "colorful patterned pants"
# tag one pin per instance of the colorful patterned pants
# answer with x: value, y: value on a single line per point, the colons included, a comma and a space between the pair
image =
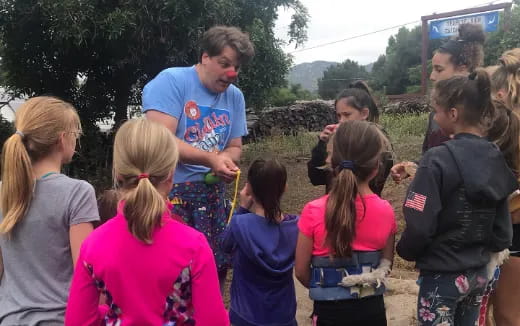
x: 205, y: 208
x: 449, y: 299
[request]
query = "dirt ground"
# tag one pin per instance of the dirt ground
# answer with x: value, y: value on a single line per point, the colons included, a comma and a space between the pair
x: 401, y: 296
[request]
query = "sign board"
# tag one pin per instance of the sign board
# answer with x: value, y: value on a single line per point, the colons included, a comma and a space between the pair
x: 449, y: 27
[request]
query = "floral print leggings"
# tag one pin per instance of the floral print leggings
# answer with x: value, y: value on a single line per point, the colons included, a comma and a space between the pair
x: 449, y: 299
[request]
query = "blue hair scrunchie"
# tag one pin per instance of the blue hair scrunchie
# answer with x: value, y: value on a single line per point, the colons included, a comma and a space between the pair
x: 347, y: 164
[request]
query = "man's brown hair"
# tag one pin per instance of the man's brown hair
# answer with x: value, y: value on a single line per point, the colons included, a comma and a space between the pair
x: 217, y: 38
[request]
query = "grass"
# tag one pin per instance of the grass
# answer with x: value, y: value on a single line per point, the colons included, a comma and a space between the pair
x: 406, y: 133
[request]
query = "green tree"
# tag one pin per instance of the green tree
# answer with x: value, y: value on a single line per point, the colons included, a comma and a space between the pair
x: 282, y: 96
x: 507, y: 37
x: 338, y: 77
x: 399, y: 69
x: 99, y: 54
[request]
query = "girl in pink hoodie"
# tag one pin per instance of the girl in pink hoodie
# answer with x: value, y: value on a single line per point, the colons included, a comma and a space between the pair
x: 148, y: 268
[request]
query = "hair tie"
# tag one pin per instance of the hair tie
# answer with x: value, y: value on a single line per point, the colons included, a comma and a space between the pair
x: 347, y: 164
x: 143, y: 176
x: 18, y: 132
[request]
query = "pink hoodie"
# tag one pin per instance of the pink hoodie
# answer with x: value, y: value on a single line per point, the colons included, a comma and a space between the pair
x: 173, y: 279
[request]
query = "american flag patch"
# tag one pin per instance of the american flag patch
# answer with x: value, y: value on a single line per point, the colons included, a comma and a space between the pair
x: 415, y: 201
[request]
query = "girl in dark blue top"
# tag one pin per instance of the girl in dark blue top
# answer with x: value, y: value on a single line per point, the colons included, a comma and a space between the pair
x: 263, y: 241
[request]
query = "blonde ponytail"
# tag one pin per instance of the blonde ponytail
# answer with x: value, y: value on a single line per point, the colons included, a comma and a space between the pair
x: 39, y: 124
x: 145, y: 155
x: 17, y: 182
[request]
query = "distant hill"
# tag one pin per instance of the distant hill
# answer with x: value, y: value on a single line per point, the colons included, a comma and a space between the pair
x: 307, y: 74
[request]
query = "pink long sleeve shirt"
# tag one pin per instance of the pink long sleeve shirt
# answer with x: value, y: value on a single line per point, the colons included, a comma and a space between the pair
x: 172, y: 281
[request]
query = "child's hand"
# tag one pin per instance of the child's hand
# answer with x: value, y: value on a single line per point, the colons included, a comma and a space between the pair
x: 246, y: 200
x: 402, y: 170
x: 327, y: 131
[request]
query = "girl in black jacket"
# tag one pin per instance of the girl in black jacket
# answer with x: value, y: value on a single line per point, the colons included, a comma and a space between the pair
x: 354, y: 103
x: 456, y: 208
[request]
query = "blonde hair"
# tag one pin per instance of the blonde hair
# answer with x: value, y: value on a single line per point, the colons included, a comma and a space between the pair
x: 39, y: 122
x: 507, y: 77
x: 145, y: 154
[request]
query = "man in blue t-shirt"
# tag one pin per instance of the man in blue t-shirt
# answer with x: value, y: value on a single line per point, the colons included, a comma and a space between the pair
x: 206, y: 113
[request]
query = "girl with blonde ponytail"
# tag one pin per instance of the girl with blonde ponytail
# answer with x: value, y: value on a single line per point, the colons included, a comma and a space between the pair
x: 149, y: 268
x: 45, y: 215
x: 346, y: 242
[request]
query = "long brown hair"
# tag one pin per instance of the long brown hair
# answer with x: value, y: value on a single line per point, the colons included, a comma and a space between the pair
x: 356, y: 154
x: 267, y: 179
x: 507, y: 77
x: 145, y: 155
x: 40, y: 122
x: 505, y: 132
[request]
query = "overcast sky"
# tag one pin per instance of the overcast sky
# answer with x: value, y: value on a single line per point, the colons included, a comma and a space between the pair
x: 333, y: 20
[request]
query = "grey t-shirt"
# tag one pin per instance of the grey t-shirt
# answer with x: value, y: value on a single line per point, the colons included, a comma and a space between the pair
x: 37, y: 257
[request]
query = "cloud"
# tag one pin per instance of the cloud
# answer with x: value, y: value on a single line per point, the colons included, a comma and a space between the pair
x: 333, y: 20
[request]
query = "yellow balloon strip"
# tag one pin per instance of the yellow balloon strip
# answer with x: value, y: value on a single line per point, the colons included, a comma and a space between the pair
x: 234, y: 202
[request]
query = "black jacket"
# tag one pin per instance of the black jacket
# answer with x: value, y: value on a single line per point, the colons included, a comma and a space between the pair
x: 320, y: 176
x: 456, y: 209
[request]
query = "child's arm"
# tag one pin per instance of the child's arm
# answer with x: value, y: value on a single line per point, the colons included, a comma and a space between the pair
x: 228, y: 239
x: 207, y: 301
x: 421, y: 207
x: 502, y: 228
x: 303, y: 259
x: 315, y: 171
x: 388, y: 250
x: 83, y: 303
x: 78, y: 233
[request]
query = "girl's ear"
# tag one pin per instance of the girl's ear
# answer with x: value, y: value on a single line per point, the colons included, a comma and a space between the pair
x: 461, y: 69
x: 454, y: 114
x: 60, y: 143
x: 248, y: 190
x: 365, y: 112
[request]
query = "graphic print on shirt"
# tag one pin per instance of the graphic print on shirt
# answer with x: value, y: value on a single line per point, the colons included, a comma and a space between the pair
x: 207, y: 128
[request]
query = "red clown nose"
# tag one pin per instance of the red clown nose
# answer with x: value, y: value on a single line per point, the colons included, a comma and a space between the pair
x: 231, y: 74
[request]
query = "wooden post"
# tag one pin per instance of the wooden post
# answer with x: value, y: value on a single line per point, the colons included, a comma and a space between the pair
x: 424, y: 57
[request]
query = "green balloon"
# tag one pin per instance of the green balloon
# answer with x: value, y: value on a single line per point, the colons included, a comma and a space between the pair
x: 211, y: 179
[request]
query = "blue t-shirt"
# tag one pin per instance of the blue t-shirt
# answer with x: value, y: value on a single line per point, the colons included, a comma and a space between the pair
x: 207, y: 120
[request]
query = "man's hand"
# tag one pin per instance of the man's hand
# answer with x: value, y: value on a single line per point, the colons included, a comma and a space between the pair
x: 399, y: 171
x: 223, y: 167
x: 327, y: 131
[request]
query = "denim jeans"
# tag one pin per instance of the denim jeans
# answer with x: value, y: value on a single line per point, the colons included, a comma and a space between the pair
x: 449, y: 299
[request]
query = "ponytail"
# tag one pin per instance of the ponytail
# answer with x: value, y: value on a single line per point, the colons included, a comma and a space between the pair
x: 17, y: 182
x: 143, y: 209
x: 145, y: 156
x: 340, y: 214
x: 39, y: 123
x: 484, y: 92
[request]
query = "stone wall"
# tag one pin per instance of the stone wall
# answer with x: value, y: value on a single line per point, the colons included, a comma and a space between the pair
x: 313, y: 116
